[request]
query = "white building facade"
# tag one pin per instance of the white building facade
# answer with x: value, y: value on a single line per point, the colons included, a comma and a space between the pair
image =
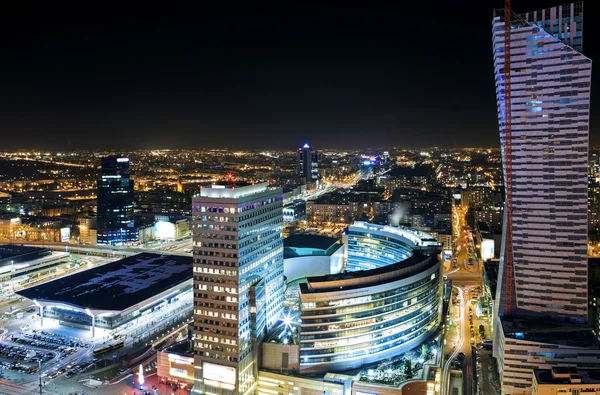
x: 238, y: 282
x: 550, y: 89
x: 550, y: 106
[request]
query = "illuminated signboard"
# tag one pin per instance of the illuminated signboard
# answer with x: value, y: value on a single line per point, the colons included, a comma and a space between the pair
x: 65, y: 235
x: 122, y: 159
x: 179, y: 359
x: 218, y: 375
x: 487, y: 249
x: 176, y: 372
x: 164, y: 230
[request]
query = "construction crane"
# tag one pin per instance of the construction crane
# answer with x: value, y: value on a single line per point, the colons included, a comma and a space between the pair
x: 508, y: 246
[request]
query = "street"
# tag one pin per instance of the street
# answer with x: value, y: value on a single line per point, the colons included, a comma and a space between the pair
x: 465, y: 271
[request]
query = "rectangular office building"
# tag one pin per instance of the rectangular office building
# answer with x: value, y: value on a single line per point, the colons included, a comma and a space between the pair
x: 238, y: 282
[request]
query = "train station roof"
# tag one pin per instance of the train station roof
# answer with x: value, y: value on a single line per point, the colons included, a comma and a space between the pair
x: 115, y: 286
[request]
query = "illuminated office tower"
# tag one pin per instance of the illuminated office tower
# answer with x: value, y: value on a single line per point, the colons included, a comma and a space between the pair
x: 542, y: 302
x: 550, y: 82
x: 238, y: 282
x: 115, y: 224
x: 308, y: 163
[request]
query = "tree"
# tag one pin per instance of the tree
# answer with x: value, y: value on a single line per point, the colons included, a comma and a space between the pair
x: 424, y: 351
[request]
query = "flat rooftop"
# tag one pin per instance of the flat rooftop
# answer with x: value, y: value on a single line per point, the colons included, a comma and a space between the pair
x: 232, y: 190
x: 370, y: 276
x: 183, y: 348
x: 118, y: 285
x: 12, y: 254
x: 306, y: 245
x: 567, y: 375
x: 550, y: 332
x: 13, y: 250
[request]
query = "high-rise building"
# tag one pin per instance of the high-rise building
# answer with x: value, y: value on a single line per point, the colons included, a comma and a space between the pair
x: 115, y: 225
x: 238, y: 282
x: 542, y: 301
x: 550, y: 82
x: 308, y: 163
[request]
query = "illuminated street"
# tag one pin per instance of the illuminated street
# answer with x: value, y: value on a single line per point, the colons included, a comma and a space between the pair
x: 467, y: 280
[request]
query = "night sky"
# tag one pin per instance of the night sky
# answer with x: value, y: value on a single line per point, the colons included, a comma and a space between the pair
x: 167, y: 74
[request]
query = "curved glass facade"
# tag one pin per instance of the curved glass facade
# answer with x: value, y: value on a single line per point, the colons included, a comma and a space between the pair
x: 354, y: 319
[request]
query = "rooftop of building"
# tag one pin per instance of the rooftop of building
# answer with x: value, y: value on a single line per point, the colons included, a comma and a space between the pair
x: 12, y: 250
x: 490, y: 269
x: 415, y: 236
x: 12, y: 253
x: 184, y: 348
x: 232, y: 190
x: 483, y: 227
x: 116, y: 285
x: 550, y: 332
x: 567, y: 375
x: 314, y: 242
x: 312, y: 284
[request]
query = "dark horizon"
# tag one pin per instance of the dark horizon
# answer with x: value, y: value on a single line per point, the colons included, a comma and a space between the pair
x: 151, y: 75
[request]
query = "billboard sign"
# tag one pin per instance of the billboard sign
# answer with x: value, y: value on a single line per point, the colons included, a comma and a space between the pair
x: 164, y: 230
x: 487, y: 249
x: 65, y: 235
x: 219, y: 376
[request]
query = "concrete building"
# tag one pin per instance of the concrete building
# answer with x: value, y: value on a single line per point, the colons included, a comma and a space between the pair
x: 553, y: 209
x: 238, y: 282
x: 175, y: 364
x: 87, y: 230
x: 112, y: 295
x: 550, y: 100
x: 565, y: 381
x: 387, y: 302
x: 171, y: 228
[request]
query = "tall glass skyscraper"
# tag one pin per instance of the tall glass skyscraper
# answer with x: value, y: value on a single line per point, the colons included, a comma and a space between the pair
x: 115, y: 203
x: 308, y: 163
x: 238, y: 282
x: 550, y: 81
x: 542, y: 311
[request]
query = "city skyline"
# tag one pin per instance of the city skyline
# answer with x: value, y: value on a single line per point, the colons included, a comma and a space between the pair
x: 163, y: 78
x: 266, y: 224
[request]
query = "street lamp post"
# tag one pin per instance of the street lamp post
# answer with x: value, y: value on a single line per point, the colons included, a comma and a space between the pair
x: 40, y: 369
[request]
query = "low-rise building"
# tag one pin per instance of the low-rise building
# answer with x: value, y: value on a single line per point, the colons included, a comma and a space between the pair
x: 175, y: 364
x: 525, y: 345
x: 565, y: 380
x: 87, y: 230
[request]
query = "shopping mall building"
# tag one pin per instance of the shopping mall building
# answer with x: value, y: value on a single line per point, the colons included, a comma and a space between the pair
x: 387, y: 301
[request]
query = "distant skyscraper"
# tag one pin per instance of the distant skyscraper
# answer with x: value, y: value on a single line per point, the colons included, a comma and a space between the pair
x: 546, y: 201
x: 238, y: 282
x: 308, y: 163
x: 550, y: 82
x: 115, y: 203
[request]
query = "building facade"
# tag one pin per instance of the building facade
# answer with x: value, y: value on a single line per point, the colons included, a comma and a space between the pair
x: 550, y: 100
x: 550, y: 81
x: 115, y: 225
x: 308, y: 163
x: 525, y: 346
x: 386, y: 303
x: 238, y: 282
x: 565, y: 381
